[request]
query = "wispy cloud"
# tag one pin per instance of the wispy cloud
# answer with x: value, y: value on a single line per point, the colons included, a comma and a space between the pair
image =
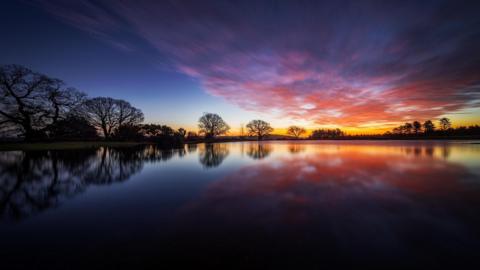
x: 346, y: 63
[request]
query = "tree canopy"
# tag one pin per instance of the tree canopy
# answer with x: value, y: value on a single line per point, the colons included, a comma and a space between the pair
x: 107, y: 114
x: 259, y: 128
x: 31, y: 102
x: 296, y: 131
x: 212, y: 125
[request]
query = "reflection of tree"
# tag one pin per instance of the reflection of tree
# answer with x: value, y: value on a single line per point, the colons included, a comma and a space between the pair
x: 191, y: 147
x: 212, y: 154
x: 296, y: 148
x: 445, y: 150
x: 259, y: 150
x: 427, y: 151
x: 304, y: 191
x: 33, y: 181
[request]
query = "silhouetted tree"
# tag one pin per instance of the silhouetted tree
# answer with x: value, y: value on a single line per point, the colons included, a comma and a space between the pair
x: 33, y: 101
x: 428, y: 127
x: 417, y: 127
x: 259, y: 128
x: 128, y: 132
x: 296, y: 131
x: 212, y: 125
x: 445, y: 123
x: 151, y: 130
x: 166, y: 130
x: 73, y: 128
x: 429, y: 130
x: 327, y: 134
x: 182, y: 132
x: 407, y: 128
x: 163, y: 135
x: 126, y: 114
x: 108, y: 114
x: 192, y: 135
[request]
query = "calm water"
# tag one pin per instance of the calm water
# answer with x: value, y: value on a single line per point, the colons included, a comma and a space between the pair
x: 247, y: 205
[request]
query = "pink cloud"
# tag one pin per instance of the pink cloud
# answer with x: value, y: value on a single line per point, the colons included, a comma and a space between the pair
x: 348, y: 70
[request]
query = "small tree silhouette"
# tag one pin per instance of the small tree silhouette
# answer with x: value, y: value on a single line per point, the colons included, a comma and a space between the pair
x: 212, y: 125
x: 428, y: 127
x: 259, y: 128
x: 445, y: 123
x: 417, y: 127
x: 296, y: 131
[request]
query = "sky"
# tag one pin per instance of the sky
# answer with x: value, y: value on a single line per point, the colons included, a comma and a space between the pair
x: 363, y: 66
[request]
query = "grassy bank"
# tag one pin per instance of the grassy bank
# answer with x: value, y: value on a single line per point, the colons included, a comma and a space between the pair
x: 61, y: 145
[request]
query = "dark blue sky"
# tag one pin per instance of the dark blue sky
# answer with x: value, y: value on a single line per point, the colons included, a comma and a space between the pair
x: 359, y: 65
x: 42, y: 42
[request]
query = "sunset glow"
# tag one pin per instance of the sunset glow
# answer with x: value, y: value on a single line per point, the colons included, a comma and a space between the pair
x: 361, y: 66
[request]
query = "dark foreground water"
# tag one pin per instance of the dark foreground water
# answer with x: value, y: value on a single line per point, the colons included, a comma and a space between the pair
x: 297, y: 205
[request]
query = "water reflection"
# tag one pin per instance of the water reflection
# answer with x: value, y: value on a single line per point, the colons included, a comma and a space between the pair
x: 32, y: 181
x: 308, y: 202
x: 295, y: 148
x: 338, y: 198
x: 212, y: 154
x: 259, y: 150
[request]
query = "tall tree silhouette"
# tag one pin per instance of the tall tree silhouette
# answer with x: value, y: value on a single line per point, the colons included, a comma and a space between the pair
x: 407, y: 128
x: 428, y: 127
x: 33, y: 101
x: 445, y: 123
x: 212, y: 125
x: 73, y: 128
x: 108, y: 114
x: 259, y: 128
x: 296, y: 131
x: 417, y: 127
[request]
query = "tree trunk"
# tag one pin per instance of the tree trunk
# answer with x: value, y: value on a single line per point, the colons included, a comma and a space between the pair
x: 29, y: 132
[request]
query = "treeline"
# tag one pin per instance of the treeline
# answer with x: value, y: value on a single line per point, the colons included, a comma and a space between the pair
x: 35, y: 107
x: 428, y: 129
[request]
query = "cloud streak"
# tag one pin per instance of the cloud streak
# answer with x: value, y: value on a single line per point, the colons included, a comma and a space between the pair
x: 345, y: 63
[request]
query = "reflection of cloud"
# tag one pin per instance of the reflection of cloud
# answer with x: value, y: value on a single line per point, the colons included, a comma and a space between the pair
x: 343, y: 63
x: 362, y: 199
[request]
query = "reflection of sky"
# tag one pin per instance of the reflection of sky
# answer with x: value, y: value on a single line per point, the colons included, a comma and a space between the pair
x: 359, y: 192
x: 360, y: 200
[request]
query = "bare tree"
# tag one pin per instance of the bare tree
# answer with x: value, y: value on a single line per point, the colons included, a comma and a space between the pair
x: 107, y: 114
x: 296, y: 131
x: 428, y: 126
x: 417, y: 127
x: 212, y: 125
x: 182, y: 132
x: 126, y: 114
x: 259, y: 128
x: 445, y: 123
x: 33, y: 101
x: 407, y: 128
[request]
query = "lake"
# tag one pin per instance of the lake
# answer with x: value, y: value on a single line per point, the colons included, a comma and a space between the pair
x: 243, y: 205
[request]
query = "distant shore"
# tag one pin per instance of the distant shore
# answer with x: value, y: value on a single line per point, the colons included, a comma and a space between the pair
x: 13, y: 146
